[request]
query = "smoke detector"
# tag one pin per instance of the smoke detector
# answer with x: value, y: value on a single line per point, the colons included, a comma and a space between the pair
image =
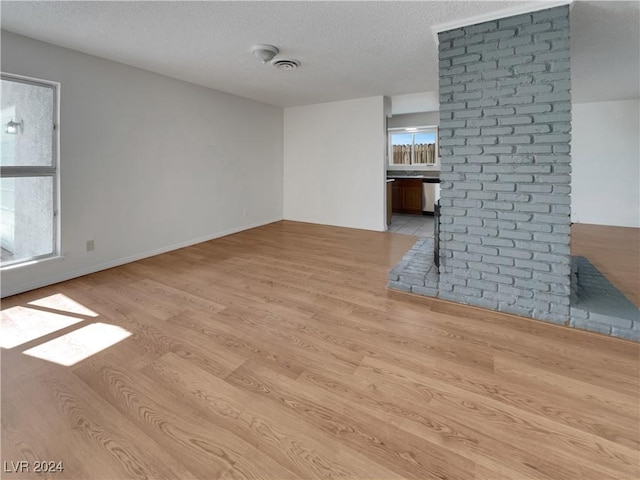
x: 265, y: 52
x: 285, y: 64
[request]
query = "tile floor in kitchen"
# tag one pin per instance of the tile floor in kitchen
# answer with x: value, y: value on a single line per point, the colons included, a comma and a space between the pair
x: 418, y: 225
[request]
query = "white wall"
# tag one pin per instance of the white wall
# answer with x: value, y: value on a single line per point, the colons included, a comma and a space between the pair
x: 415, y: 103
x: 422, y: 119
x: 334, y: 163
x: 148, y: 163
x: 605, y: 163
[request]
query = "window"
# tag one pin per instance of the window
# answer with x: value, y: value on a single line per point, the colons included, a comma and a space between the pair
x: 413, y: 146
x: 28, y: 170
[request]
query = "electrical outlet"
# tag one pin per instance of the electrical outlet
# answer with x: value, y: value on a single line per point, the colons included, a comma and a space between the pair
x: 244, y: 212
x: 90, y: 245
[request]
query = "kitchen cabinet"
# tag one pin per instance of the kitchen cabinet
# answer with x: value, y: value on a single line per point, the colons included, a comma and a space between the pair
x: 396, y: 196
x: 389, y: 200
x: 407, y: 195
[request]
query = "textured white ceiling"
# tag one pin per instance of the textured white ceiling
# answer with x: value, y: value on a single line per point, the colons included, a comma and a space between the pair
x: 347, y: 49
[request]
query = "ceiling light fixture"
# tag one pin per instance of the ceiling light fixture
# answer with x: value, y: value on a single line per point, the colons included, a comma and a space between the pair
x: 265, y: 52
x: 12, y: 127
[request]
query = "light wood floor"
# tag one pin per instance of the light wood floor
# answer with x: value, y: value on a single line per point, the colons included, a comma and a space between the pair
x: 278, y: 353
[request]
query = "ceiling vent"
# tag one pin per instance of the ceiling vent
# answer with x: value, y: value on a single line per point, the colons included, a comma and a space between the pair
x: 285, y: 64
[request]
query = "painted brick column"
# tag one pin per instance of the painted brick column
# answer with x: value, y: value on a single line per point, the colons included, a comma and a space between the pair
x: 505, y: 122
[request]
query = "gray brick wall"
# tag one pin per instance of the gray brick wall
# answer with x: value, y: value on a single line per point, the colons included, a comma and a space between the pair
x: 505, y: 123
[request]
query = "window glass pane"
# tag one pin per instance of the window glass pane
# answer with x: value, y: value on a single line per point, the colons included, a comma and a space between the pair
x: 27, y: 220
x: 401, y: 148
x: 426, y: 137
x: 425, y: 148
x: 26, y: 124
x: 401, y: 138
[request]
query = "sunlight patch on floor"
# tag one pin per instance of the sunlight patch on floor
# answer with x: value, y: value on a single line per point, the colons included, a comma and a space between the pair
x: 22, y: 324
x: 74, y: 347
x: 59, y: 301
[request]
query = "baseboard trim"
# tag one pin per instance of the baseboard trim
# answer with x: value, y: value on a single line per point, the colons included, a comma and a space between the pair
x: 133, y: 258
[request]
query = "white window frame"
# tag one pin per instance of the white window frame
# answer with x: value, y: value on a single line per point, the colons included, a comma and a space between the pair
x: 40, y: 171
x: 413, y: 130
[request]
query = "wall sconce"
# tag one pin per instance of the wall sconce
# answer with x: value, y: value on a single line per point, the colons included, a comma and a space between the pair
x: 12, y: 127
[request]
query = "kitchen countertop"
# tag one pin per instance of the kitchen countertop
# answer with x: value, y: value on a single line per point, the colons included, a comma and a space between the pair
x: 424, y: 178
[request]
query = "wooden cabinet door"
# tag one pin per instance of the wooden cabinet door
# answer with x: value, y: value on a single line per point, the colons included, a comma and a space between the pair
x: 389, y: 202
x: 407, y: 196
x: 396, y: 195
x: 412, y: 196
